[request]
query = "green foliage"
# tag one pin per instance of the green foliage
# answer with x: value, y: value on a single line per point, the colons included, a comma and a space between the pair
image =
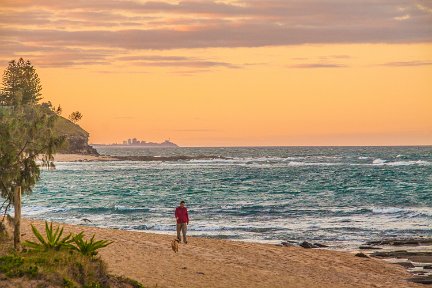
x: 88, y: 247
x: 13, y: 266
x: 55, y: 268
x: 67, y: 283
x: 75, y: 116
x: 65, y: 127
x: 9, y: 264
x: 131, y: 282
x: 59, y: 268
x: 26, y: 130
x: 52, y: 240
x: 21, y: 84
x: 26, y: 133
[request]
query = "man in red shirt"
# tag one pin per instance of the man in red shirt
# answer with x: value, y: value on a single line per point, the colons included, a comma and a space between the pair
x: 182, y: 218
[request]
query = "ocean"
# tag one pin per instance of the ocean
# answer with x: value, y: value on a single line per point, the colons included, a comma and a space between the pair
x: 341, y: 196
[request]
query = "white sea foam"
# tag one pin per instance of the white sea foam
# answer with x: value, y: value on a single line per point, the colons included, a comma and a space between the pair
x: 408, y: 212
x: 379, y: 161
x: 406, y: 163
x: 294, y: 163
x: 258, y: 162
x: 32, y: 210
x: 387, y: 210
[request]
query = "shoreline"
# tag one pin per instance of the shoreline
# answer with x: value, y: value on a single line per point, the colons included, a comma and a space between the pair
x: 82, y: 158
x: 148, y: 258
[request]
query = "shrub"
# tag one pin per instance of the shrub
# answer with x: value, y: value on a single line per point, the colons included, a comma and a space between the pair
x: 14, y: 266
x: 88, y: 247
x: 52, y: 239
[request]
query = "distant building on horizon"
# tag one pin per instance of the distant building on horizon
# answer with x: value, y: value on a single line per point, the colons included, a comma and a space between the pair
x: 143, y: 143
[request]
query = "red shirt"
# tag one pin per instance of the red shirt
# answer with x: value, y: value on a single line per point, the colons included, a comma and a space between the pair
x: 182, y: 215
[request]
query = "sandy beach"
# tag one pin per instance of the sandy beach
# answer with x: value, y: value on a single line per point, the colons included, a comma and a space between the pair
x: 81, y: 158
x: 149, y: 259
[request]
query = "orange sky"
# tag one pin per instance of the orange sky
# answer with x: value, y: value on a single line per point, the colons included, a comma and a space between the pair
x: 359, y: 92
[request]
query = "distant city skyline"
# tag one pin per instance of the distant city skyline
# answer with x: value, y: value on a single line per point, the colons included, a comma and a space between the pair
x: 137, y: 142
x: 132, y: 141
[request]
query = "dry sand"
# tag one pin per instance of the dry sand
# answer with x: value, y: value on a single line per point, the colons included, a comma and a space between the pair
x: 81, y: 158
x: 203, y: 262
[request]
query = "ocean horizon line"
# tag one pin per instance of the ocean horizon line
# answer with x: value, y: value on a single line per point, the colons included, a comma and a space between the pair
x: 262, y: 146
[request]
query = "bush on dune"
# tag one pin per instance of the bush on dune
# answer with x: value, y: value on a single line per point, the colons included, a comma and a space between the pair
x: 88, y: 247
x: 55, y: 260
x: 52, y: 239
x: 61, y: 268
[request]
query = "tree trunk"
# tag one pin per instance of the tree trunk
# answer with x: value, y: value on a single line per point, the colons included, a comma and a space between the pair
x: 17, y: 218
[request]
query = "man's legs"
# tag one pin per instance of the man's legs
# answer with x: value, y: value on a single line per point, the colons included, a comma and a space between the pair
x: 179, y: 227
x: 184, y: 230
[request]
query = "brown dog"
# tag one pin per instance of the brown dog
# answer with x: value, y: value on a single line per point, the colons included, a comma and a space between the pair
x: 174, y: 245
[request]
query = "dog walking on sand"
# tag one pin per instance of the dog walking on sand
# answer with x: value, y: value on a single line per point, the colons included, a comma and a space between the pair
x: 174, y: 245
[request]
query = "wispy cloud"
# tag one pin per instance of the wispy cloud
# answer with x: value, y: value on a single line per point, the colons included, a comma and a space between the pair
x: 318, y: 65
x: 74, y: 32
x: 174, y: 61
x: 407, y: 63
x: 402, y: 18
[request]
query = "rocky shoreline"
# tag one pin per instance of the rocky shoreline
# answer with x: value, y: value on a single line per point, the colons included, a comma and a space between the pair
x: 414, y: 254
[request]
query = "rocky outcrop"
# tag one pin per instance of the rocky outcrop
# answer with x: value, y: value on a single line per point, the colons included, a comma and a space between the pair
x: 402, y: 242
x: 78, y: 145
x: 76, y: 138
x: 416, y: 256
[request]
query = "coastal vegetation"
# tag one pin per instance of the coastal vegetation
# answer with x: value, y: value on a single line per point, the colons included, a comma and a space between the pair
x: 26, y: 137
x: 30, y: 134
x: 55, y: 264
x: 54, y: 240
x: 75, y: 116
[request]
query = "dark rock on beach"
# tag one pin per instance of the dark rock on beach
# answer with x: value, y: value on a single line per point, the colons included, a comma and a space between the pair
x: 402, y: 242
x: 421, y: 280
x: 405, y: 264
x: 361, y: 255
x: 319, y: 245
x: 308, y: 245
x: 287, y: 244
x: 416, y: 262
x: 422, y: 257
x: 366, y: 247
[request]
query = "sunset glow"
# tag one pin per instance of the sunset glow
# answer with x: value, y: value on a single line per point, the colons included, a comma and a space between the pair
x: 232, y: 73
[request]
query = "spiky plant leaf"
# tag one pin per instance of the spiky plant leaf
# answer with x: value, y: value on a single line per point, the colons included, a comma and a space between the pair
x: 89, y: 247
x: 52, y: 240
